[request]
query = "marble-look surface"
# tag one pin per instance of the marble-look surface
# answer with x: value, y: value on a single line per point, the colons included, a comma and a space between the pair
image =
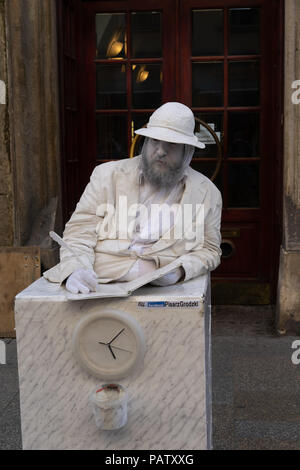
x: 167, y: 398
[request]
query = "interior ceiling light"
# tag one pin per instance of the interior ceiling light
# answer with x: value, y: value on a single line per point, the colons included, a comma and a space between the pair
x: 115, y: 46
x: 142, y: 74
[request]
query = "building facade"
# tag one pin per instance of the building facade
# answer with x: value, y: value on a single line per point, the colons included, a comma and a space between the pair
x: 77, y: 77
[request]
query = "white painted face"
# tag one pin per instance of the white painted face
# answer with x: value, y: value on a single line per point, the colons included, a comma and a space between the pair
x: 166, y: 154
x: 162, y: 162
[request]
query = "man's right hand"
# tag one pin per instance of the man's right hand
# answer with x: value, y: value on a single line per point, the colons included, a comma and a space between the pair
x: 82, y: 280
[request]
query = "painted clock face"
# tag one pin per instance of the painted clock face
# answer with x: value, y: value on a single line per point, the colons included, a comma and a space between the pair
x: 109, y: 344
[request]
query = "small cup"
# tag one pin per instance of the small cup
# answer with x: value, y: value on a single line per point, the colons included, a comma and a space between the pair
x: 109, y: 404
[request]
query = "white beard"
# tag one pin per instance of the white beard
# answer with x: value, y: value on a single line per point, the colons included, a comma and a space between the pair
x: 170, y: 176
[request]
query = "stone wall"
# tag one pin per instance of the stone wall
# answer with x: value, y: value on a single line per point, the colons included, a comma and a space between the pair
x: 288, y: 302
x: 6, y: 180
x: 33, y: 112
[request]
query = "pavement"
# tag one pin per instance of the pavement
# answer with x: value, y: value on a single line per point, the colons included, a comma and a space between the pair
x: 256, y: 399
x: 10, y: 422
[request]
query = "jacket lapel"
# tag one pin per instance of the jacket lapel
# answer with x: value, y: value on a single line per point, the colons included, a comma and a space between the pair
x: 127, y: 182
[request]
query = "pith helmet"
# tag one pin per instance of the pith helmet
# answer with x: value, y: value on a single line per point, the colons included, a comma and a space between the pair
x: 172, y: 122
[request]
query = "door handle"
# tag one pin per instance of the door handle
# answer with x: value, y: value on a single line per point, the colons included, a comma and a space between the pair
x: 231, y: 233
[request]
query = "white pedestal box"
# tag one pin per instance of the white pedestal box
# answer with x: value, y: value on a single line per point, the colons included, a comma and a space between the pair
x: 169, y: 396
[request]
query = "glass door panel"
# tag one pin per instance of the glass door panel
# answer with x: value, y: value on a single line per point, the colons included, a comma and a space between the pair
x: 207, y: 32
x: 243, y: 134
x: 146, y: 82
x: 111, y: 86
x: 243, y: 83
x: 215, y: 122
x: 111, y: 136
x: 146, y: 34
x: 244, y: 31
x: 110, y: 35
x: 207, y: 84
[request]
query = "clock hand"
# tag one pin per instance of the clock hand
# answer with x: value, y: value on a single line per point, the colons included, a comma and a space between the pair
x: 112, y: 352
x: 116, y: 336
x: 115, y: 347
x: 109, y: 347
x: 121, y: 349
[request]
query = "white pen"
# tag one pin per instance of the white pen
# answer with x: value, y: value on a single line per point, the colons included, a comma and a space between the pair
x: 62, y: 243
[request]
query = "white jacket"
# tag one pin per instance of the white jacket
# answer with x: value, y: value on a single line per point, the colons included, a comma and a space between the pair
x: 111, y: 258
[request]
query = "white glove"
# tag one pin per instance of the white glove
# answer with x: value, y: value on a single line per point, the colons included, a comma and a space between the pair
x: 82, y: 280
x: 168, y: 279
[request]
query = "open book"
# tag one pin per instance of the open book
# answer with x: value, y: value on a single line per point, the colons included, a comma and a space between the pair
x: 124, y: 289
